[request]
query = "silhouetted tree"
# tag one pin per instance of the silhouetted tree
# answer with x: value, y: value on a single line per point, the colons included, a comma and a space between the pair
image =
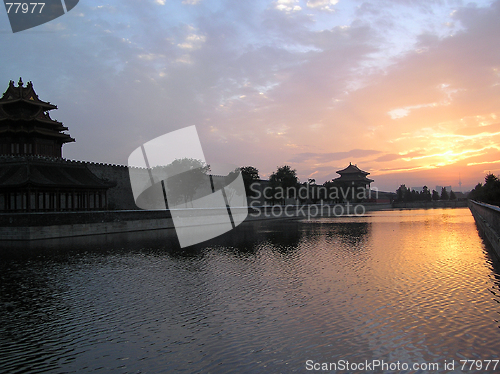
x: 188, y: 175
x: 435, y: 195
x: 477, y: 192
x: 230, y: 190
x: 327, y: 192
x: 249, y: 175
x: 401, y: 193
x: 444, y: 194
x: 286, y: 178
x: 489, y: 192
x: 408, y: 196
x: 302, y: 197
x: 314, y: 192
x: 452, y: 195
x: 425, y: 195
x: 491, y: 189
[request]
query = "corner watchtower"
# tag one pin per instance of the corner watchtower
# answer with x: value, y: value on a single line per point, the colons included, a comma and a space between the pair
x: 25, y: 124
x: 353, y: 176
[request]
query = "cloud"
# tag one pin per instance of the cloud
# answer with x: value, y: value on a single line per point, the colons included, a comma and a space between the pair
x: 483, y: 163
x: 333, y: 156
x: 396, y: 156
x: 325, y: 5
x: 192, y: 41
x: 287, y: 6
x: 405, y: 111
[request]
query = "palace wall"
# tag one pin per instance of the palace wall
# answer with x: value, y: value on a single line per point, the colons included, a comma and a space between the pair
x: 487, y: 218
x: 119, y: 197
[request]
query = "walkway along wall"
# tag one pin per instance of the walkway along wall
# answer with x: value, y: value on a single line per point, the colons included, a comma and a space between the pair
x: 50, y: 225
x: 488, y: 220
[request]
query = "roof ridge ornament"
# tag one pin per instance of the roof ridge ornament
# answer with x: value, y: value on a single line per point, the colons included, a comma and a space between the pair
x: 20, y: 83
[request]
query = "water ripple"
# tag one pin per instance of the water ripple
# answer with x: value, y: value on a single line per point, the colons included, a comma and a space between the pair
x: 419, y: 287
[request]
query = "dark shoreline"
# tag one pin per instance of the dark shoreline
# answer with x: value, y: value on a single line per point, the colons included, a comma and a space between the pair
x: 49, y: 225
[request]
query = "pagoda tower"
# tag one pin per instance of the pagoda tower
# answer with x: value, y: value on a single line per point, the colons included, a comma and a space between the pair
x: 25, y: 124
x: 353, y: 176
x: 33, y: 175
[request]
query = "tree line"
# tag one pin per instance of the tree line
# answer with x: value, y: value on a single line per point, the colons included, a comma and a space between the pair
x: 284, y: 177
x: 489, y: 192
x: 404, y: 194
x: 284, y: 184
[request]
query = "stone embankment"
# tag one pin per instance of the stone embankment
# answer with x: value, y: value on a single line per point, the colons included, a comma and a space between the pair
x: 488, y: 221
x: 49, y: 225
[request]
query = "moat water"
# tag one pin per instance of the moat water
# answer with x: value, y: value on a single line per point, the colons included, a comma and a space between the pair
x: 413, y: 286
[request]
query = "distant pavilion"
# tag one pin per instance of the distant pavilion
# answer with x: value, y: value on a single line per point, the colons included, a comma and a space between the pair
x: 33, y: 175
x: 352, y: 176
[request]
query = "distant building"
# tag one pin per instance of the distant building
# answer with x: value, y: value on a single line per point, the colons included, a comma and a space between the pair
x: 352, y: 176
x: 439, y: 188
x: 353, y: 182
x: 33, y: 175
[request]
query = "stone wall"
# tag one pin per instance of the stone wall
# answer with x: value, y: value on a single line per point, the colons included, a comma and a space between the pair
x: 487, y: 218
x: 69, y: 218
x: 119, y: 197
x: 48, y: 225
x: 27, y: 233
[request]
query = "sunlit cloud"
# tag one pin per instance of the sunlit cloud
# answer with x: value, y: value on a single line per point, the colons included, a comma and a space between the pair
x: 333, y: 156
x: 408, y: 169
x: 192, y: 41
x: 403, y: 112
x: 481, y: 135
x: 325, y: 5
x: 287, y: 5
x: 452, y: 156
x: 483, y: 163
x: 398, y: 156
x: 278, y: 130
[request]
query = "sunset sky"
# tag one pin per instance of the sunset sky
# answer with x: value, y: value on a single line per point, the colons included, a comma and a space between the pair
x: 408, y: 90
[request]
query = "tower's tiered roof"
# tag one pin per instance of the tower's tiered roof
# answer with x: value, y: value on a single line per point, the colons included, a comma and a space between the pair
x: 353, y: 174
x: 25, y: 119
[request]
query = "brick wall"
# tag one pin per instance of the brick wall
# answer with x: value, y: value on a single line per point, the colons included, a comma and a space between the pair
x: 487, y: 218
x: 119, y: 197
